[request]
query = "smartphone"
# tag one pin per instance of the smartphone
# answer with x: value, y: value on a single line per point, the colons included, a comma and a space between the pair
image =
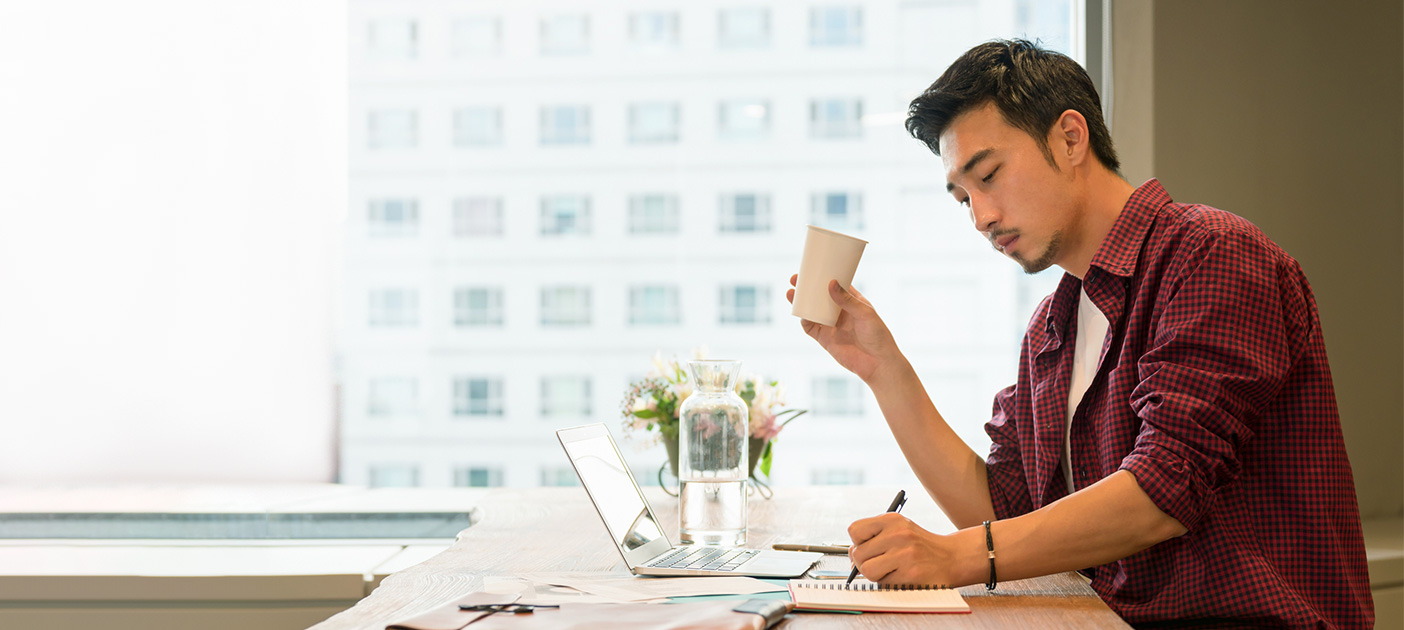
x: 830, y: 575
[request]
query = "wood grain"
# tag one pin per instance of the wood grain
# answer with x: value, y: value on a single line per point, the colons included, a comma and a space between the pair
x: 556, y: 529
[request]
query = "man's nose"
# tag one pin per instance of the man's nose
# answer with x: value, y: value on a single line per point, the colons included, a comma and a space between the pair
x: 983, y: 214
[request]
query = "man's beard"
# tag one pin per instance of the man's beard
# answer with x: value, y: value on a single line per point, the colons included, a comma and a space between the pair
x: 1044, y: 260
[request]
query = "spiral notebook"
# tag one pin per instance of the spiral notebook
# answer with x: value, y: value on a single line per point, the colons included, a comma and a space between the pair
x: 871, y: 597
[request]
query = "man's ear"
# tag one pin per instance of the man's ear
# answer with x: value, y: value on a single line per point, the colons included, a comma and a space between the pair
x: 1069, y: 138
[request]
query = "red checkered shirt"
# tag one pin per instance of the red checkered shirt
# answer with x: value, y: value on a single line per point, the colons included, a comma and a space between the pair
x: 1214, y: 391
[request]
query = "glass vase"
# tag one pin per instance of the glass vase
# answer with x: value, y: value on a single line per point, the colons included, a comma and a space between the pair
x: 713, y: 432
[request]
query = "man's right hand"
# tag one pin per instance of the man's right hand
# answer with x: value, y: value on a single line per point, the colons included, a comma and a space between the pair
x: 859, y: 341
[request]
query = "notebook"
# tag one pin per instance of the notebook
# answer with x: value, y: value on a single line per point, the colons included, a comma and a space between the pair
x: 870, y: 597
x: 635, y: 531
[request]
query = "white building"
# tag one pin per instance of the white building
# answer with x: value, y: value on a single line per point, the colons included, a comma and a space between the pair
x: 544, y: 194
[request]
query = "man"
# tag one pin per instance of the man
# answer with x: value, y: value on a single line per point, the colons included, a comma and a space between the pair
x: 1173, y: 431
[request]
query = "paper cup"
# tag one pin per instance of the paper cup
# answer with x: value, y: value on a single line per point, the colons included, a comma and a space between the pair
x: 828, y: 255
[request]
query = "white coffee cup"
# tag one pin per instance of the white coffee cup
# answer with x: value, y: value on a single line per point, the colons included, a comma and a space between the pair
x: 828, y: 255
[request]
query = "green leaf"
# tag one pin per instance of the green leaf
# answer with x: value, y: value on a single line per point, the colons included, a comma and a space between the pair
x: 646, y: 413
x: 765, y: 459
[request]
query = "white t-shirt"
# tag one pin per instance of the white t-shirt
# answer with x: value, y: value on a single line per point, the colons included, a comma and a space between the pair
x: 1087, y: 353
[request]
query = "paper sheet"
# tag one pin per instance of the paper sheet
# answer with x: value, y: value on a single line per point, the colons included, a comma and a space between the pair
x: 643, y: 589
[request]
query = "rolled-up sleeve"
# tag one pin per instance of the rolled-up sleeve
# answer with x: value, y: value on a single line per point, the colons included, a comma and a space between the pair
x: 1004, y: 468
x: 1221, y: 351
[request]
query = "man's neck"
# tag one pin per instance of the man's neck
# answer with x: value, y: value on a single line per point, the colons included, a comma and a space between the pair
x: 1107, y: 194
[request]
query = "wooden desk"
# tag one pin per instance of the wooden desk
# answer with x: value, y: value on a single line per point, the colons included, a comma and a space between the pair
x: 556, y: 529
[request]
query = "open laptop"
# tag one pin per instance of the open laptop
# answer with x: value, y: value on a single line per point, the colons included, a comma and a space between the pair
x: 635, y: 531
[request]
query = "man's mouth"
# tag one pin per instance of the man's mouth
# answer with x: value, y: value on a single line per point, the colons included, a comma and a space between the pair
x: 1002, y: 244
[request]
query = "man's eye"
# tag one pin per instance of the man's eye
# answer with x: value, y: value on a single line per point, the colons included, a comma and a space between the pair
x: 989, y: 177
x: 964, y: 202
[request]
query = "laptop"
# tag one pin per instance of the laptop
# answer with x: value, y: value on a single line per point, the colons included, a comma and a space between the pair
x: 635, y: 532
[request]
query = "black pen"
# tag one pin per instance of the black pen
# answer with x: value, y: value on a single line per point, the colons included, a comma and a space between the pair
x: 897, y: 503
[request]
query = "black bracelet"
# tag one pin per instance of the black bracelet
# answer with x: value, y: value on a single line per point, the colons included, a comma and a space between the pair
x: 989, y: 544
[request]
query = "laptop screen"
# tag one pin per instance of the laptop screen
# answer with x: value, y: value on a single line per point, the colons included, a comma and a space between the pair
x: 611, y: 487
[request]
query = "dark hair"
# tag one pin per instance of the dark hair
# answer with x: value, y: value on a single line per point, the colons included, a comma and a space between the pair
x: 1030, y: 85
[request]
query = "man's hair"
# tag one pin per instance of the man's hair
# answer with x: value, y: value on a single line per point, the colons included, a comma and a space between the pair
x: 1030, y: 85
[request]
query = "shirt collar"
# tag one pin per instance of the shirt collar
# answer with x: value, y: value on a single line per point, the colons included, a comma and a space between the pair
x: 1122, y: 246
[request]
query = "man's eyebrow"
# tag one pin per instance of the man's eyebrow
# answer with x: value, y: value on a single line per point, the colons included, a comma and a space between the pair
x: 969, y: 164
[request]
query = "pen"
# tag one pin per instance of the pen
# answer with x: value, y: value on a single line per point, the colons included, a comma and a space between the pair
x: 896, y: 506
x: 831, y: 549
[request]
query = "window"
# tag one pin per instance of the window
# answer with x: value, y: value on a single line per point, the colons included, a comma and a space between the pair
x: 392, y: 129
x: 565, y: 306
x: 565, y: 125
x: 745, y: 212
x: 743, y: 27
x: 559, y: 476
x: 477, y: 477
x: 476, y: 37
x: 477, y: 306
x: 393, y: 396
x: 394, y: 308
x: 391, y: 39
x: 743, y: 119
x: 563, y: 215
x: 836, y: 118
x: 835, y: 26
x: 565, y: 396
x: 836, y: 477
x: 477, y: 216
x: 477, y: 397
x: 654, y: 30
x: 653, y: 214
x: 653, y: 123
x: 393, y: 476
x: 840, y: 211
x: 393, y: 218
x: 477, y: 127
x: 565, y: 35
x: 654, y: 304
x: 745, y: 304
x: 837, y: 396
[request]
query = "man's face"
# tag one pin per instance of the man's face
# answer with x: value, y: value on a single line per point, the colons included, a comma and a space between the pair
x: 1016, y: 199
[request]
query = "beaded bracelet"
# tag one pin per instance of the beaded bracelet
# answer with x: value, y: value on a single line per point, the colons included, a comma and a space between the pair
x: 989, y: 544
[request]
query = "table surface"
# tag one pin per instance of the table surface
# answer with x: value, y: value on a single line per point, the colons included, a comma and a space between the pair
x: 556, y: 529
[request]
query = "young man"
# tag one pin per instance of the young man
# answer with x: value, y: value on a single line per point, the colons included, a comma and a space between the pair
x: 1173, y: 432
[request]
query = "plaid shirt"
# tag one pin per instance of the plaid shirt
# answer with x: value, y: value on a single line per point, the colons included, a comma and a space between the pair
x: 1214, y: 391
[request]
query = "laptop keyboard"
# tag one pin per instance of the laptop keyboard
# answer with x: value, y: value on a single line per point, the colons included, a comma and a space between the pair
x: 704, y: 558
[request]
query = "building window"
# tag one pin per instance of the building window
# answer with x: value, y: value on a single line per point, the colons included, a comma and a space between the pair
x: 477, y: 127
x: 481, y: 397
x: 565, y: 125
x: 841, y: 211
x: 477, y: 216
x: 559, y: 476
x: 565, y: 396
x: 743, y: 27
x: 654, y: 30
x: 393, y: 476
x: 565, y: 306
x: 563, y: 215
x: 836, y: 118
x: 653, y: 214
x: 653, y: 123
x: 477, y: 306
x: 836, y: 396
x: 565, y: 35
x: 476, y: 477
x: 743, y: 119
x: 836, y: 477
x: 393, y: 396
x: 745, y: 304
x: 654, y: 305
x: 835, y: 26
x: 394, y: 308
x: 392, y: 129
x: 392, y: 218
x: 392, y: 38
x: 745, y: 212
x: 476, y: 37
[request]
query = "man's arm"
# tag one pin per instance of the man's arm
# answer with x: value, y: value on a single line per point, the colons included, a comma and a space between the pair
x: 1102, y: 523
x: 947, y: 467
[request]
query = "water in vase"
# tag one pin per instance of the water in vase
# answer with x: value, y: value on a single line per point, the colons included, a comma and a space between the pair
x: 712, y: 458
